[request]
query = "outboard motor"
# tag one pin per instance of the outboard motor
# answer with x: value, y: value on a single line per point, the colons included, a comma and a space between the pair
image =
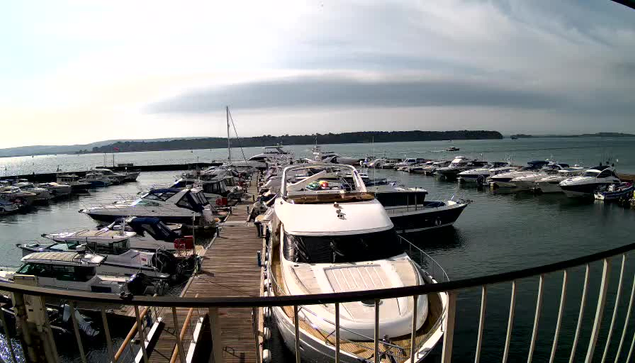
x: 141, y: 284
x: 164, y: 262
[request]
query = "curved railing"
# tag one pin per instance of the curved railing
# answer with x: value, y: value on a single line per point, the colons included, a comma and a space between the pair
x: 452, y: 288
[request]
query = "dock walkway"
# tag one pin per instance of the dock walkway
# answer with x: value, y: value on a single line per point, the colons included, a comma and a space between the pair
x: 229, y: 269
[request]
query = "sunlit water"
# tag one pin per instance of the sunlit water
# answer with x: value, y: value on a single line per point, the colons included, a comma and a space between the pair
x: 496, y: 233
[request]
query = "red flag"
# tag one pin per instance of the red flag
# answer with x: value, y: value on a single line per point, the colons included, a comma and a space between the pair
x: 115, y: 148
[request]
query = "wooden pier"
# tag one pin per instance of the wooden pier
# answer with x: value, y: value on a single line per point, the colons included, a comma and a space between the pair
x: 229, y: 269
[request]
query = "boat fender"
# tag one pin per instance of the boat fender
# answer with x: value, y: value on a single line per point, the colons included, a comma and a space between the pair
x: 266, y: 333
x: 266, y: 356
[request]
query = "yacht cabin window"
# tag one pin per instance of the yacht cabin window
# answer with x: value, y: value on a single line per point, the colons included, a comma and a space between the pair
x: 591, y: 173
x: 64, y: 273
x: 342, y: 249
x: 164, y: 195
x: 606, y: 173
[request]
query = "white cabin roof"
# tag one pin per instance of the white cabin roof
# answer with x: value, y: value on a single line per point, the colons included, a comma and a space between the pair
x: 322, y: 219
x: 64, y: 258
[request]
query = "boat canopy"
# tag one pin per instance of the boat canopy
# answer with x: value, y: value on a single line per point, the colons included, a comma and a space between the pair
x: 161, y: 194
x: 154, y: 227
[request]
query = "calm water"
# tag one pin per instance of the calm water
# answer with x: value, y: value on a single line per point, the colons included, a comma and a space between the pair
x: 496, y: 233
x: 584, y: 151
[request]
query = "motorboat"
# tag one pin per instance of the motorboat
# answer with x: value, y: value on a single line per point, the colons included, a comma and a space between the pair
x: 115, y: 178
x: 185, y: 206
x: 97, y: 179
x: 141, y: 233
x: 272, y: 153
x: 431, y: 169
x: 410, y: 212
x: 452, y: 148
x: 42, y: 195
x: 614, y: 192
x: 480, y: 175
x: 16, y: 195
x: 329, y: 235
x: 458, y: 165
x: 586, y: 184
x: 75, y: 271
x: 551, y: 182
x: 419, y: 167
x: 504, y: 180
x: 131, y: 176
x: 321, y: 156
x: 57, y: 190
x: 7, y: 207
x: 77, y: 184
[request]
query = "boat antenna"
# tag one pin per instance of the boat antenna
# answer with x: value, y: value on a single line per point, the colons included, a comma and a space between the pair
x: 229, y: 144
x: 237, y: 137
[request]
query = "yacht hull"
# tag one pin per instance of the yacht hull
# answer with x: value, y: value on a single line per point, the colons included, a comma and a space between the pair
x: 109, y: 218
x: 429, y: 217
x: 549, y: 187
x: 580, y: 190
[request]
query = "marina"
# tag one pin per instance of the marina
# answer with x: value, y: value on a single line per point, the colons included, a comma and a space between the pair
x: 229, y: 266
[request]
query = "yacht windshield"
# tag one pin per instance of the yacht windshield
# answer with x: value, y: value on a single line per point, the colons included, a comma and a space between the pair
x: 591, y: 173
x: 342, y: 249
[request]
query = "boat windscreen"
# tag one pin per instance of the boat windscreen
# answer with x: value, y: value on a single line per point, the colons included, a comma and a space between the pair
x: 342, y: 249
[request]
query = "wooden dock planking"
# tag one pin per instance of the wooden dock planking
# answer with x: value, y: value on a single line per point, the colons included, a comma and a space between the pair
x: 229, y: 268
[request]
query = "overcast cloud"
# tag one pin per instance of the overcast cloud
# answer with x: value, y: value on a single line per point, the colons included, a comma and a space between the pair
x: 152, y: 69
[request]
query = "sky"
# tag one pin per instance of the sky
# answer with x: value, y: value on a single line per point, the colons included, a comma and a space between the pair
x: 74, y: 72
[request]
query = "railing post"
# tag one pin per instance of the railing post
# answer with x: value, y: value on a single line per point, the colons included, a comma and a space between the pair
x: 177, y: 335
x: 217, y: 339
x: 296, y: 323
x: 556, y: 334
x: 376, y: 334
x: 628, y: 316
x: 78, y: 337
x: 604, y: 287
x: 534, y: 333
x: 337, y: 332
x: 481, y: 324
x: 413, y: 338
x: 448, y: 336
x: 7, y: 336
x: 510, y: 322
x: 104, y: 319
x: 585, y: 289
x: 141, y: 334
x: 615, y: 308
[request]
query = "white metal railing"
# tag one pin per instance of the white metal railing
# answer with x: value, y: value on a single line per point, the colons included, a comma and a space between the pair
x: 611, y: 338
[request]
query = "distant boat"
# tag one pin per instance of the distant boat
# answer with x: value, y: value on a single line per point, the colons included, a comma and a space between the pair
x: 453, y: 148
x: 514, y: 137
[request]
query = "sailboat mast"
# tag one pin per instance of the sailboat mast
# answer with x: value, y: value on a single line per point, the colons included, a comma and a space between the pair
x: 229, y: 145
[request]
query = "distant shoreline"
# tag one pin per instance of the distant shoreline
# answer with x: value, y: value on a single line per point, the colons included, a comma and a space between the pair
x: 599, y: 134
x: 258, y: 141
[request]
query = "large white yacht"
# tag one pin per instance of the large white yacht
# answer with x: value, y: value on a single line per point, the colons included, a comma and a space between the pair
x: 479, y: 175
x: 185, y: 206
x: 321, y: 156
x: 272, y: 153
x: 332, y: 236
x: 589, y: 182
x: 504, y: 180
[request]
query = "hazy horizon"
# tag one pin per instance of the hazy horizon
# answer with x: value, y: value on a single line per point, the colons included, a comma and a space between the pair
x: 77, y: 73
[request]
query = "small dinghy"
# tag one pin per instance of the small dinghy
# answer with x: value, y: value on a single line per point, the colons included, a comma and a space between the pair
x: 615, y: 191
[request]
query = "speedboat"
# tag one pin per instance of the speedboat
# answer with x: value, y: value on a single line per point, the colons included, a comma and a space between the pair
x: 431, y: 169
x: 116, y: 178
x: 452, y: 148
x: 504, y: 180
x: 186, y: 206
x: 480, y: 175
x: 57, y: 190
x: 7, y: 207
x: 97, y: 179
x: 75, y: 271
x: 272, y: 153
x: 614, y: 192
x: 77, y: 184
x: 42, y: 195
x: 458, y: 165
x: 410, y: 212
x: 329, y: 235
x: 551, y: 183
x: 321, y: 156
x: 590, y: 181
x: 16, y: 195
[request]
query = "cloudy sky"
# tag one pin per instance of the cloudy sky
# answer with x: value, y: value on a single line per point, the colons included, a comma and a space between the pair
x: 83, y: 71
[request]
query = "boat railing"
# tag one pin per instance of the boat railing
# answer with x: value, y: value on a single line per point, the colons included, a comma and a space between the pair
x: 600, y: 317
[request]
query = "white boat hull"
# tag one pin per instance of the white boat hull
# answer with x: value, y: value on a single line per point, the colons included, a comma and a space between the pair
x: 549, y: 187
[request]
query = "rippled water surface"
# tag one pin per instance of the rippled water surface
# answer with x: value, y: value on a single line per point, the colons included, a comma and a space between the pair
x: 496, y: 233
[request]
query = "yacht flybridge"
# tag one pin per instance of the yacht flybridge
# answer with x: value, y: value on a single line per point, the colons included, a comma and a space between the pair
x: 330, y: 235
